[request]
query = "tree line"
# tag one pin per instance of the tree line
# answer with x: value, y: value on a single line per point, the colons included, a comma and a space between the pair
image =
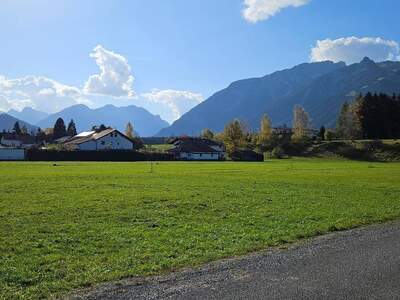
x: 236, y: 136
x: 370, y: 116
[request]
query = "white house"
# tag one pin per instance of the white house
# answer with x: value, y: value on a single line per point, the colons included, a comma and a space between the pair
x: 187, y: 148
x: 109, y: 139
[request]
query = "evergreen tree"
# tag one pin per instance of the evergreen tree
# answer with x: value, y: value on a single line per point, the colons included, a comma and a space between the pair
x: 17, y: 128
x: 265, y: 134
x: 129, y: 131
x: 102, y: 127
x: 321, y: 133
x: 301, y: 123
x: 207, y: 134
x: 59, y: 129
x: 71, y: 130
x: 378, y: 116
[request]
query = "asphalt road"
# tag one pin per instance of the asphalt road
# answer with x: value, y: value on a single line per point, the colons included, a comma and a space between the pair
x: 356, y: 264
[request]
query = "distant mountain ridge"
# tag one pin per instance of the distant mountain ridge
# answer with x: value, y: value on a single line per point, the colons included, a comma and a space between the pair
x: 145, y: 123
x: 320, y: 87
x: 28, y: 114
x: 7, y: 123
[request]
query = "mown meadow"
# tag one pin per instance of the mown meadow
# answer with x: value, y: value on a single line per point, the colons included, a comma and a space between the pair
x: 71, y: 225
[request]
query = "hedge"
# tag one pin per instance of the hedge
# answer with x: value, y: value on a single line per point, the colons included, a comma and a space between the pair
x: 118, y: 156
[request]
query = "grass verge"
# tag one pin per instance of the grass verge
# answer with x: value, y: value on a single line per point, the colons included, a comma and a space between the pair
x: 76, y: 224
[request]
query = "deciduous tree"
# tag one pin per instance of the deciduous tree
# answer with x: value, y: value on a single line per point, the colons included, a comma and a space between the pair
x: 348, y: 123
x: 207, y: 134
x: 301, y: 123
x: 234, y: 136
x: 24, y: 130
x: 129, y: 131
x: 265, y: 134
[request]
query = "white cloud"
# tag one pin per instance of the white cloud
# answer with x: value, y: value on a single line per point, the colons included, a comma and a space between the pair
x: 258, y: 10
x: 353, y: 49
x: 178, y: 102
x: 112, y: 86
x: 38, y: 92
x: 115, y: 78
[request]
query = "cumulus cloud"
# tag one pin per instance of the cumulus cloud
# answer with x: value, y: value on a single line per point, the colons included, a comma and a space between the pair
x: 115, y: 78
x: 179, y: 102
x: 38, y: 92
x: 258, y: 10
x: 113, y: 85
x: 353, y: 49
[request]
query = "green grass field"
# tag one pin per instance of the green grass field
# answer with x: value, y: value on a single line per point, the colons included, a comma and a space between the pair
x: 76, y: 224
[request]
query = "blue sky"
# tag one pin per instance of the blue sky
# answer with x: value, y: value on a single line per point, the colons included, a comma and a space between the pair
x: 177, y: 52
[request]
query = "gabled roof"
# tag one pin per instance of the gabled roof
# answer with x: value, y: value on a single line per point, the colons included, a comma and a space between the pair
x: 92, y: 136
x: 196, y: 140
x: 195, y: 145
x: 23, y: 138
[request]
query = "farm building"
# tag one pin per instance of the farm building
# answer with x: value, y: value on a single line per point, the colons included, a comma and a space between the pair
x: 187, y: 148
x: 9, y: 153
x: 109, y: 139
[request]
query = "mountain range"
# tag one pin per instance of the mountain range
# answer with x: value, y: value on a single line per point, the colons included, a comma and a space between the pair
x: 145, y: 123
x: 321, y: 88
x: 28, y: 114
x: 7, y: 123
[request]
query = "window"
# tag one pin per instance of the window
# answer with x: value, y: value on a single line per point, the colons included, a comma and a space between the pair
x: 103, y: 143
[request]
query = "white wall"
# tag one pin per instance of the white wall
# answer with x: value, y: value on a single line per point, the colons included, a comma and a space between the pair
x: 199, y: 156
x: 12, y: 154
x: 88, y: 146
x: 112, y: 141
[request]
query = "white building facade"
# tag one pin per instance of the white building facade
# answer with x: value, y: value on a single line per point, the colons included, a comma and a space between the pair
x: 109, y: 139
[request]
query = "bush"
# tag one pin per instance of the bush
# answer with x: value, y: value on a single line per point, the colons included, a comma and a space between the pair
x: 329, y: 135
x: 246, y: 155
x: 373, y: 145
x: 277, y: 153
